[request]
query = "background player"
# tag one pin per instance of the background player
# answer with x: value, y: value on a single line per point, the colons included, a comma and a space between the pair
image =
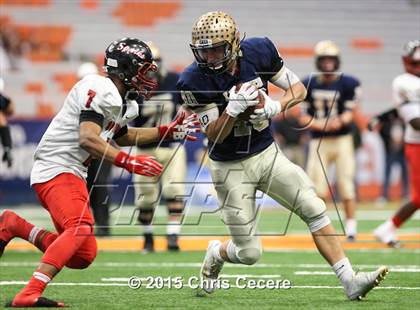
x: 6, y: 110
x: 243, y: 157
x: 406, y: 93
x: 329, y: 104
x: 96, y: 105
x: 161, y: 109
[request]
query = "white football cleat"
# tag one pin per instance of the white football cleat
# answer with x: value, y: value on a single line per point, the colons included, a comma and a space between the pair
x: 210, y: 270
x: 363, y: 282
x: 385, y: 233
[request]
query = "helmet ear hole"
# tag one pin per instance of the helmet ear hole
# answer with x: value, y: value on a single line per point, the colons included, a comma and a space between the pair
x: 121, y: 76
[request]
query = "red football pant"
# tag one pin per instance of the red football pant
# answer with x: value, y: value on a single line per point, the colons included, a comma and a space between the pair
x: 412, y: 153
x: 66, y: 198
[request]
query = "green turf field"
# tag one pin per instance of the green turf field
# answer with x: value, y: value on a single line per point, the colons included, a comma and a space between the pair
x: 104, y: 284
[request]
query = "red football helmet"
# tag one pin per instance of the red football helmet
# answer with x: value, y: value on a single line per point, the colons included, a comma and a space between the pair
x: 411, y: 57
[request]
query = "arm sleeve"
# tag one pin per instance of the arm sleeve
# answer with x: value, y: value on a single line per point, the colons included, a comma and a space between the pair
x: 91, y: 116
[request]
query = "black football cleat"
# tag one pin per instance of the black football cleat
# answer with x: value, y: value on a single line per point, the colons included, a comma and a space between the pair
x: 173, y: 243
x: 40, y: 302
x: 149, y: 244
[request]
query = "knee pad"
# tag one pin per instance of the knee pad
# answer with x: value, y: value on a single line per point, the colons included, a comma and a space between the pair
x: 85, y: 255
x: 145, y: 216
x: 249, y: 256
x: 312, y: 210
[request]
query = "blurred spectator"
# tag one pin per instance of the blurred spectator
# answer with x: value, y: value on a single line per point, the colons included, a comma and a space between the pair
x: 99, y: 176
x: 290, y: 137
x: 6, y: 109
x: 392, y: 134
x: 11, y: 48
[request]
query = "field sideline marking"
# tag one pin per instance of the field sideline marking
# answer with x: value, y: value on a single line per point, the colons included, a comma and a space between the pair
x: 196, y: 264
x: 8, y: 283
x: 309, y: 273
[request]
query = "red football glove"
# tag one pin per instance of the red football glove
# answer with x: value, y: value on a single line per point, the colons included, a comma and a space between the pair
x: 140, y: 164
x: 180, y: 128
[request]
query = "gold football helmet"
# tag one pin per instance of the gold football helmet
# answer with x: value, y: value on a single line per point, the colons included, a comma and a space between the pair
x: 215, y: 42
x: 324, y: 49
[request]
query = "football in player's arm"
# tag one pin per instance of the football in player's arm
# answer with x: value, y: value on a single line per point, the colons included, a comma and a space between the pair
x: 227, y: 78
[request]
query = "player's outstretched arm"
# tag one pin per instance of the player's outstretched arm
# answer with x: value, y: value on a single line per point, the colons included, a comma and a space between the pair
x: 90, y: 141
x: 181, y: 128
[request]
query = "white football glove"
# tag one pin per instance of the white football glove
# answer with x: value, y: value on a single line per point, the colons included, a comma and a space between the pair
x: 271, y: 109
x: 241, y: 100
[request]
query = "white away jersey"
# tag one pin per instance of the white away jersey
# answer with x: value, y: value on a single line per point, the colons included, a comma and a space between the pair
x: 406, y: 89
x: 59, y: 150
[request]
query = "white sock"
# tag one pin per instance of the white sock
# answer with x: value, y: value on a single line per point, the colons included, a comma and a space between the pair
x: 147, y: 229
x: 41, y: 276
x: 33, y: 234
x: 351, y: 227
x: 231, y: 253
x: 343, y: 270
x: 173, y: 228
x: 216, y: 253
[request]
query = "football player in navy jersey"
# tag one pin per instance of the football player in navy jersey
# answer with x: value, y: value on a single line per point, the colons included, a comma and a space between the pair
x: 161, y: 108
x: 243, y: 156
x: 329, y: 114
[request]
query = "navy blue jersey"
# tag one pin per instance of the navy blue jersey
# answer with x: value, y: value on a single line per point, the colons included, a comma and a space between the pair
x: 258, y: 62
x: 330, y: 100
x: 160, y: 109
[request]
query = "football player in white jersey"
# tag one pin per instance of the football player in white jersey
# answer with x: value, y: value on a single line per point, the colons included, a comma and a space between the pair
x: 406, y: 95
x: 243, y: 155
x: 95, y: 106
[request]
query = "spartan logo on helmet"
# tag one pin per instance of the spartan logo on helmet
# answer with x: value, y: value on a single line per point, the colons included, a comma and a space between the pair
x: 327, y: 56
x: 411, y: 57
x: 130, y: 60
x: 215, y: 42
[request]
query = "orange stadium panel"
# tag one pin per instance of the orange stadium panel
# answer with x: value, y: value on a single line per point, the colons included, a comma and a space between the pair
x: 367, y: 43
x: 25, y: 2
x: 65, y: 80
x: 145, y: 13
x: 35, y: 87
x: 296, y: 51
x: 89, y: 4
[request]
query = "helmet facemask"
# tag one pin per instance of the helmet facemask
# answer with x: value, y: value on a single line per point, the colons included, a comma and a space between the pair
x: 213, y: 59
x: 145, y: 82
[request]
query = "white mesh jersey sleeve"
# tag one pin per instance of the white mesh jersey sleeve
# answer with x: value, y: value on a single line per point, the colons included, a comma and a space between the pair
x: 59, y: 151
x: 406, y: 94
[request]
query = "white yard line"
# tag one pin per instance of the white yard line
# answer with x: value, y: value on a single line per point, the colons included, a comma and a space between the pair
x: 309, y: 273
x: 196, y: 264
x: 8, y: 283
